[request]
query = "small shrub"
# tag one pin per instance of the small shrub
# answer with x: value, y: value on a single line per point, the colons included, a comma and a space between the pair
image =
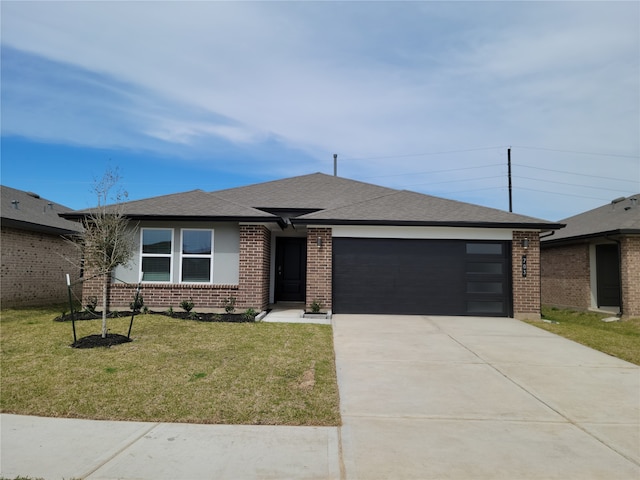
x: 92, y: 303
x: 230, y: 304
x: 217, y: 317
x: 315, y: 306
x: 193, y: 316
x: 187, y: 305
x: 137, y: 304
x: 170, y: 311
x: 145, y: 310
x: 249, y: 314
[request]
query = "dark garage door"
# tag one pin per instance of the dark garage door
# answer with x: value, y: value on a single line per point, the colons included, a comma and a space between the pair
x: 429, y: 277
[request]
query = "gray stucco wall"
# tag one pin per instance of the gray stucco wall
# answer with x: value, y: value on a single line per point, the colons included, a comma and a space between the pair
x: 226, y: 251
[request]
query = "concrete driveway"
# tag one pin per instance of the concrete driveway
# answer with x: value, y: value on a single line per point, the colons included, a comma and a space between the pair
x: 481, y: 398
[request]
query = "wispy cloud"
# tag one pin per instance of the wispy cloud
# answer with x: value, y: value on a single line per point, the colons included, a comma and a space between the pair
x: 363, y: 79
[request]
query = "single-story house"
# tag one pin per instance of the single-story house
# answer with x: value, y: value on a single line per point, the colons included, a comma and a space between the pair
x: 351, y: 247
x: 594, y: 263
x: 35, y: 257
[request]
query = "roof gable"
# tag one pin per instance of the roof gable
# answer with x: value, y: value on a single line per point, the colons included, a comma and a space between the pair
x: 620, y: 216
x: 28, y: 210
x: 316, y: 191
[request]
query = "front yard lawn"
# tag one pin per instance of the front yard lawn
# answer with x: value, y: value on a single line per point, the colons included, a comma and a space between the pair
x: 173, y: 371
x: 620, y: 339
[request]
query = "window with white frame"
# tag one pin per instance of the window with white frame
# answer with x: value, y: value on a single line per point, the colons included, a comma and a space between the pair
x: 156, y: 252
x: 196, y: 263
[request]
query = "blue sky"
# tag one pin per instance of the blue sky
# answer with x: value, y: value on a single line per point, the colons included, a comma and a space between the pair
x: 425, y: 96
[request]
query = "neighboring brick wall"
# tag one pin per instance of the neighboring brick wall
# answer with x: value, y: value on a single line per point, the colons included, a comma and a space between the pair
x: 255, y: 258
x: 251, y: 292
x: 319, y: 267
x: 566, y: 276
x: 34, y: 266
x: 526, y: 290
x: 630, y: 273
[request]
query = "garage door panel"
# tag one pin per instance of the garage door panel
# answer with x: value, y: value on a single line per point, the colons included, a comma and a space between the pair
x: 409, y: 276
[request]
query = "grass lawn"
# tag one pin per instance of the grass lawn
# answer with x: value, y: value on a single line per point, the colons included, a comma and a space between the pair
x: 620, y: 339
x: 173, y: 371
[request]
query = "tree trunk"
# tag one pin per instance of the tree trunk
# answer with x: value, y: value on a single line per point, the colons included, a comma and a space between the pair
x: 105, y: 294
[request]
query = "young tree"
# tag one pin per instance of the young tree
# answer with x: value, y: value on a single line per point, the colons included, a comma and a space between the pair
x: 108, y: 242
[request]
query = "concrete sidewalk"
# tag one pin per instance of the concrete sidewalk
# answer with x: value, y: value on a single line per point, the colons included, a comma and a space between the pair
x: 53, y: 448
x: 481, y: 398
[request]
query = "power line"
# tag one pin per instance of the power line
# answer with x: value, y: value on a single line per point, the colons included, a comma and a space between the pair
x: 453, y: 181
x: 426, y: 154
x: 597, y: 154
x: 565, y: 194
x: 580, y: 174
x: 570, y: 184
x: 436, y: 171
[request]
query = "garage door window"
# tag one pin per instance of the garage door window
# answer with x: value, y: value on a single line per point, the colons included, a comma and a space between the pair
x: 483, y: 308
x: 491, y: 268
x: 484, y: 287
x: 484, y: 248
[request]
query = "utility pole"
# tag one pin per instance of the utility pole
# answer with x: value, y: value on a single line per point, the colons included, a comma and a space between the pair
x: 335, y: 164
x: 509, y: 170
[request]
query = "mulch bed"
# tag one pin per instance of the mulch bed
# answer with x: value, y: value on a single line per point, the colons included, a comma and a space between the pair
x: 93, y: 341
x: 194, y: 316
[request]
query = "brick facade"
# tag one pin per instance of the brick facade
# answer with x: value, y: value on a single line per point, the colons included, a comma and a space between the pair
x: 252, y: 290
x: 566, y: 276
x: 319, y: 268
x: 33, y: 268
x: 630, y: 273
x: 255, y: 260
x: 526, y: 290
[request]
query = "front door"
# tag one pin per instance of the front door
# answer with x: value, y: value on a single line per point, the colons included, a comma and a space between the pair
x: 608, y: 275
x: 291, y: 269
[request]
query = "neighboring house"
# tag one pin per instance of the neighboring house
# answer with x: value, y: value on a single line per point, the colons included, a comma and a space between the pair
x: 353, y: 247
x: 35, y: 258
x: 594, y: 263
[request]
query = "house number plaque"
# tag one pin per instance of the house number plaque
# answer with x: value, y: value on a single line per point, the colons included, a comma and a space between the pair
x: 524, y: 265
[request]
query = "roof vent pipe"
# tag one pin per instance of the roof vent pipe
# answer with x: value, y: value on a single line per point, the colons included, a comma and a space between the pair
x: 335, y: 164
x: 15, y: 204
x: 634, y: 201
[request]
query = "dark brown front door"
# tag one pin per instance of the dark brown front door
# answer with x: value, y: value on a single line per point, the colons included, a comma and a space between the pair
x: 608, y: 275
x: 291, y: 269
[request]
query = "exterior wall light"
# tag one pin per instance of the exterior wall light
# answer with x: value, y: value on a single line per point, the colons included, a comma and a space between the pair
x: 525, y: 243
x: 319, y: 242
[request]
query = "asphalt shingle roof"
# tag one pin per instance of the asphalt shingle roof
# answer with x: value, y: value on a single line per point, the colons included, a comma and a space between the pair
x: 406, y: 207
x: 620, y: 217
x: 29, y: 211
x: 324, y: 199
x: 192, y: 204
x: 314, y: 191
